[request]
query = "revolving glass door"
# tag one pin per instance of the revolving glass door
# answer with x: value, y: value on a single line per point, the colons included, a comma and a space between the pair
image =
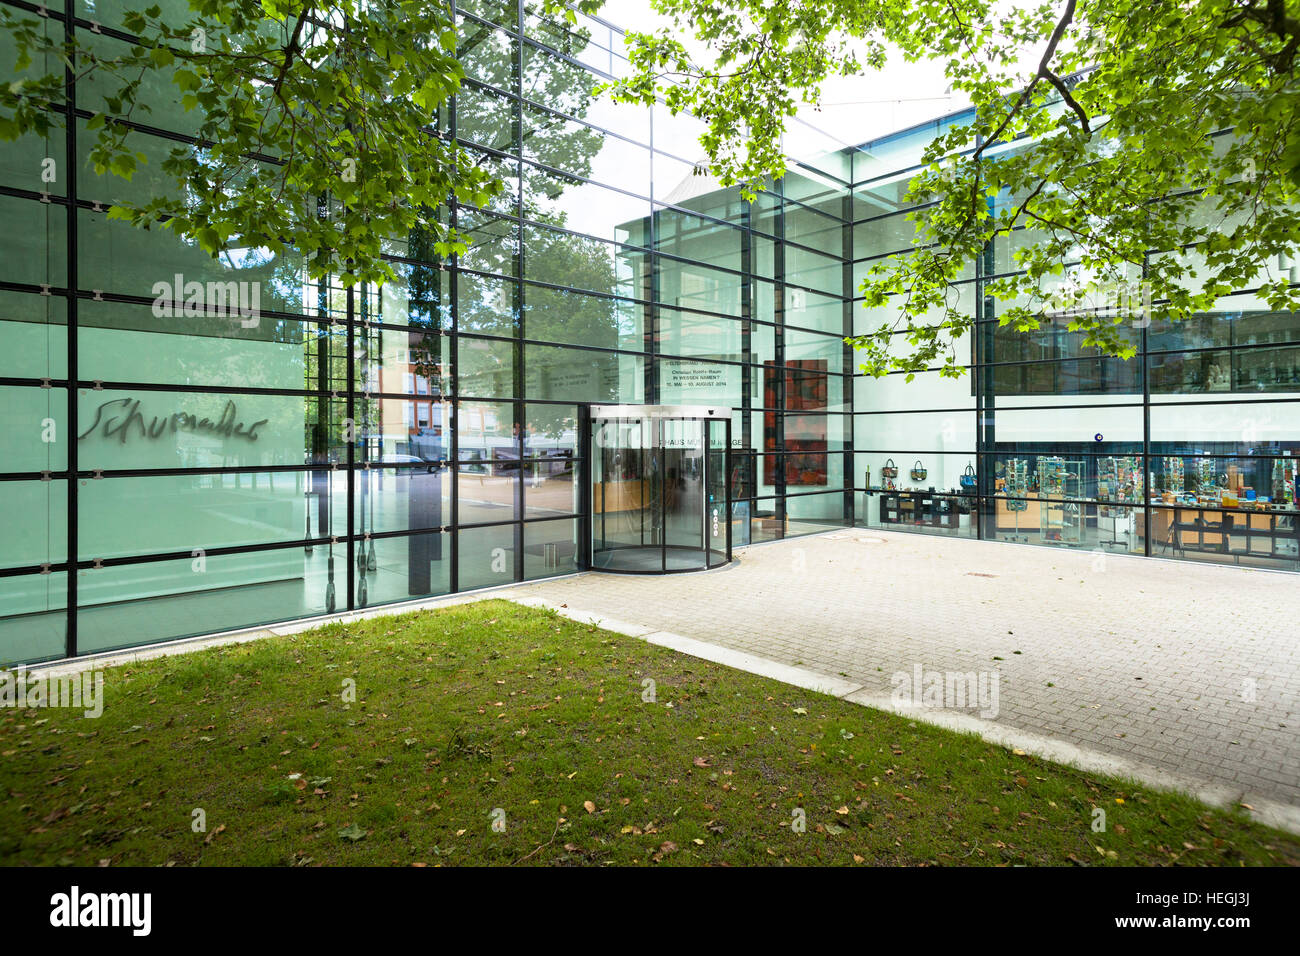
x: 659, y: 489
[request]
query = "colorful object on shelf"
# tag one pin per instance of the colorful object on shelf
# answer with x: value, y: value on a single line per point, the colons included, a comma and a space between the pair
x: 1284, y: 480
x: 1206, y: 482
x: 1172, y: 477
x: 1119, y: 485
x: 890, y: 470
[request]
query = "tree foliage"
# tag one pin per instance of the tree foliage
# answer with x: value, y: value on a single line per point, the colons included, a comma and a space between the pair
x: 315, y: 125
x: 1141, y: 157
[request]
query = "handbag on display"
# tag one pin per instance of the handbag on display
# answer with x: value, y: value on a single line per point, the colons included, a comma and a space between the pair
x: 967, y: 478
x: 918, y: 471
x: 890, y: 470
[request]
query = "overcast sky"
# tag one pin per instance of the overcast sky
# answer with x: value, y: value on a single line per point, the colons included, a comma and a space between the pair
x: 854, y: 109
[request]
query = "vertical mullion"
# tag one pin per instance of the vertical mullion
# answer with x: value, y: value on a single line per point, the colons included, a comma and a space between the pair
x: 726, y: 481
x: 585, y: 473
x: 517, y: 298
x: 746, y: 355
x: 779, y: 370
x: 452, y: 423
x: 985, y: 405
x: 351, y: 435
x: 72, y: 427
x: 703, y: 491
x: 650, y: 387
x: 453, y: 428
x: 662, y: 457
x: 1147, y: 527
x: 846, y: 377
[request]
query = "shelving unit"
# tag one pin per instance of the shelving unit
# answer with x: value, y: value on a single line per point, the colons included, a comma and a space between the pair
x: 919, y: 508
x: 1207, y: 478
x: 1016, y: 486
x: 1284, y: 481
x: 1017, y: 483
x: 1238, y: 534
x: 1172, y: 475
x: 1119, y: 485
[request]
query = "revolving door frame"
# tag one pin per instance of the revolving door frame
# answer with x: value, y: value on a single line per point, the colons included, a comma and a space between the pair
x: 591, y: 418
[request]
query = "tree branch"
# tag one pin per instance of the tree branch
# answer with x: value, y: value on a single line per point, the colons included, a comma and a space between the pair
x: 292, y: 48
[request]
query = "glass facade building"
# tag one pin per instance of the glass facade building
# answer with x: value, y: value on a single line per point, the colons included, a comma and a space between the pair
x: 173, y: 471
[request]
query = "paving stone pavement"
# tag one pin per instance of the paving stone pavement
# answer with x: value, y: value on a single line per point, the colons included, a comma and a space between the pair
x: 1190, y: 670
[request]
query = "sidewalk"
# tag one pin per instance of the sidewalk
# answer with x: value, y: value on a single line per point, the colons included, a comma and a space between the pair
x: 1182, y: 674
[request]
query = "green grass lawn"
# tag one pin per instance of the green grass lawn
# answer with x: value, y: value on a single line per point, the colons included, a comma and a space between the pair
x: 491, y: 712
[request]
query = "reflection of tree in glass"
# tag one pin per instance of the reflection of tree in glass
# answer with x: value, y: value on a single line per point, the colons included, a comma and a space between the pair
x: 566, y: 149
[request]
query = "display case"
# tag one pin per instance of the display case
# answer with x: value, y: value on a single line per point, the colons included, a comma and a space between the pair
x: 1012, y: 504
x: 1060, y: 510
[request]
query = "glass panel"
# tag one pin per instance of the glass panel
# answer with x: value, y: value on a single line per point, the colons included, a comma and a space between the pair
x: 1223, y: 536
x: 560, y: 315
x: 809, y: 514
x: 160, y: 600
x: 402, y: 568
x: 551, y: 488
x: 550, y: 547
x: 404, y: 496
x: 36, y: 524
x: 35, y: 254
x: 488, y: 471
x: 716, y: 492
x: 486, y: 557
x: 579, y: 375
x: 32, y: 432
x: 163, y: 429
x: 33, y: 335
x: 163, y: 514
x: 683, y: 382
x: 580, y: 206
x: 622, y: 494
x: 486, y: 367
x: 122, y: 342
x: 682, y: 471
x: 550, y: 431
x: 706, y: 336
x: 33, y: 618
